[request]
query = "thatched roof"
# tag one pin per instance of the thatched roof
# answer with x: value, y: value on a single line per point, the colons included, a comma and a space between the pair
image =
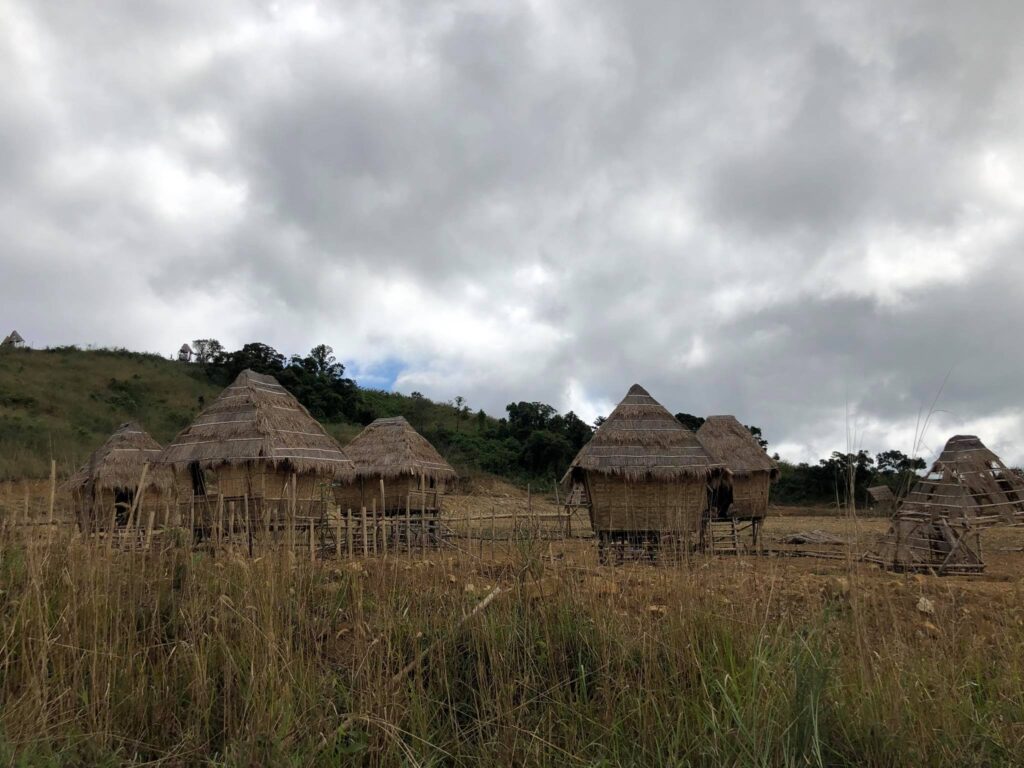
x: 118, y: 463
x: 391, y: 448
x: 256, y: 420
x: 640, y: 439
x: 12, y: 339
x: 881, y: 494
x: 730, y: 443
x: 186, y: 349
x: 966, y: 480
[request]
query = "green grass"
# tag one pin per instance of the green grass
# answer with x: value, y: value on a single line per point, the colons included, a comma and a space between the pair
x: 64, y: 403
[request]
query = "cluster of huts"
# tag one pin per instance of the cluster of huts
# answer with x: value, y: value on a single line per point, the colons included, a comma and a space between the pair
x: 646, y: 480
x: 257, y: 452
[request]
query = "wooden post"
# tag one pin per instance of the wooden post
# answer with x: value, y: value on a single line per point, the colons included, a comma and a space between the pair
x: 192, y: 515
x: 312, y: 546
x: 248, y: 521
x: 53, y: 487
x: 492, y: 532
x: 366, y: 542
x: 408, y: 526
x: 337, y: 537
x: 348, y: 530
x: 373, y: 516
x: 423, y: 518
x: 149, y: 528
x: 384, y: 533
x: 220, y: 518
x: 231, y: 525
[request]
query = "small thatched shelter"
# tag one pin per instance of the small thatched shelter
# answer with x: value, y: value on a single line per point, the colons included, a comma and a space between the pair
x: 13, y: 340
x: 104, y: 490
x: 743, y: 492
x: 396, y: 469
x: 882, y: 498
x: 185, y: 354
x: 967, y: 489
x: 256, y: 447
x: 644, y: 476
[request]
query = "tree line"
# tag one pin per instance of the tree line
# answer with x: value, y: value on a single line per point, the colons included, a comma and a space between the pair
x: 532, y: 441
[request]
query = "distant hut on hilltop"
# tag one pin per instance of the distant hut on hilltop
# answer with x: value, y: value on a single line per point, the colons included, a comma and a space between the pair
x: 185, y: 354
x: 743, y: 491
x: 13, y: 340
x: 104, y: 489
x: 256, y: 448
x: 937, y: 525
x: 644, y: 477
x: 396, y: 469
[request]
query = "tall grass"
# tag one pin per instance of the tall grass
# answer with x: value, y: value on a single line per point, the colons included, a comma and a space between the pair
x: 187, y: 658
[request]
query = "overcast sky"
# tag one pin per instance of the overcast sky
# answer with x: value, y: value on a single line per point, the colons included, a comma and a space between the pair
x: 808, y: 215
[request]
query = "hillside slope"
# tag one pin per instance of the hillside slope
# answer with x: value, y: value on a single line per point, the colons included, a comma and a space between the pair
x: 63, y: 403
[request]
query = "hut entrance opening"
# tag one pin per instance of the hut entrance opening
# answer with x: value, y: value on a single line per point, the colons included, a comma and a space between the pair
x: 123, y: 498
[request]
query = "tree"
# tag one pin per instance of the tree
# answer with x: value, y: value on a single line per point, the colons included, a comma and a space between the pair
x: 461, y: 411
x: 756, y: 432
x: 599, y: 421
x: 208, y: 351
x: 256, y: 356
x: 896, y: 462
x: 691, y: 422
x: 525, y: 418
x: 321, y: 362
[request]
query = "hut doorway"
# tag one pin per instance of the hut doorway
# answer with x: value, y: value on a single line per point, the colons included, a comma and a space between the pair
x: 123, y: 498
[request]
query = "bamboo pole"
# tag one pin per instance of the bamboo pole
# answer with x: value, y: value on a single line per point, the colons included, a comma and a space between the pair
x: 408, y: 526
x: 53, y: 487
x: 337, y: 537
x: 492, y: 532
x: 149, y: 528
x: 248, y: 520
x: 423, y: 518
x: 366, y: 543
x: 373, y: 516
x: 312, y: 547
x: 348, y: 530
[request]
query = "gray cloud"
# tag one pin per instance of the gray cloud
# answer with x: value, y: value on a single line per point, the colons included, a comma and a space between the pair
x: 806, y: 215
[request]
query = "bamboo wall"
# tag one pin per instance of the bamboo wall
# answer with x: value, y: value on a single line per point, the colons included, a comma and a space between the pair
x: 105, y: 509
x: 618, y: 504
x: 750, y: 495
x: 398, y: 492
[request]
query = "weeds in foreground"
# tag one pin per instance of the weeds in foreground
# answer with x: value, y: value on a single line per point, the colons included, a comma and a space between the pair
x: 107, y: 658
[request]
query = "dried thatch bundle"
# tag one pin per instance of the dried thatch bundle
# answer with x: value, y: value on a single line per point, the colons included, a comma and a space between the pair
x: 968, y: 488
x: 391, y: 448
x: 730, y: 443
x: 118, y: 463
x: 256, y: 421
x: 642, y: 440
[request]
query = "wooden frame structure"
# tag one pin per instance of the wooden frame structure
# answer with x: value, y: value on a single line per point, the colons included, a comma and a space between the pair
x: 937, y: 526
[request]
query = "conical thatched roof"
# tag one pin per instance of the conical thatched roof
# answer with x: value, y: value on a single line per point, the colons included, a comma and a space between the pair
x: 118, y: 463
x: 257, y: 420
x: 730, y: 443
x: 185, y: 348
x: 12, y: 339
x: 391, y: 448
x: 966, y: 480
x: 640, y: 439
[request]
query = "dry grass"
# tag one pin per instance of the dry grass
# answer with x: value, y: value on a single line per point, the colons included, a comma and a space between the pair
x: 181, y: 657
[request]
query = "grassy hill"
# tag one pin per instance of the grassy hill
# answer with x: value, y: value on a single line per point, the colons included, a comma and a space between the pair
x: 64, y: 402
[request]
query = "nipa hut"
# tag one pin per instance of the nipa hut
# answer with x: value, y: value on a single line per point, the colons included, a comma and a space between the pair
x: 107, y: 488
x: 13, y: 340
x: 938, y: 523
x: 397, y: 469
x: 644, y: 477
x: 256, y: 449
x: 743, y: 492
